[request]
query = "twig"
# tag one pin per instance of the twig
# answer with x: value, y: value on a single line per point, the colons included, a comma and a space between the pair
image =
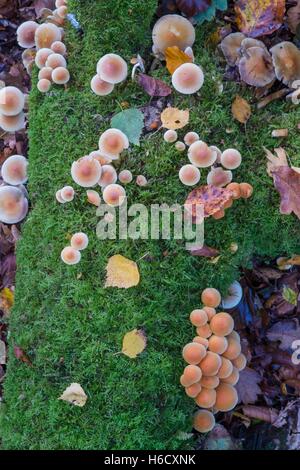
x: 272, y: 97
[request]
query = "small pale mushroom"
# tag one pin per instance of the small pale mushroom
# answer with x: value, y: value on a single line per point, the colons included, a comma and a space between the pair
x: 70, y: 256
x: 86, y: 172
x: 125, y: 177
x: 180, y: 146
x: 28, y: 57
x: 141, y: 181
x: 12, y: 123
x: 25, y: 34
x: 60, y: 76
x: 93, y: 197
x: 44, y: 85
x: 46, y: 34
x: 56, y: 60
x: 100, y: 157
x: 173, y: 30
x: 218, y: 151
x: 100, y: 87
x: 45, y: 73
x: 170, y: 136
x: 14, y: 170
x: 60, y: 3
x: 112, y: 142
x: 219, y: 177
x: 58, y: 47
x: 79, y: 241
x: 201, y: 155
x: 230, y: 47
x: 286, y: 60
x: 188, y: 78
x: 233, y: 297
x: 112, y: 69
x: 190, y: 138
x: 67, y: 193
x: 256, y: 67
x: 189, y: 175
x: 62, y: 11
x: 108, y: 176
x: 59, y: 198
x: 231, y: 159
x: 114, y: 195
x: 42, y: 57
x: 12, y: 101
x: 13, y: 205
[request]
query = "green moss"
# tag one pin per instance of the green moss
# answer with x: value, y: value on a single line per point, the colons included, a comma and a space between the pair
x: 68, y: 324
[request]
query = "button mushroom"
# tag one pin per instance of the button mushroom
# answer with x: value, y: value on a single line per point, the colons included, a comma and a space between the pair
x: 188, y: 79
x: 189, y: 175
x: 112, y: 142
x: 201, y: 155
x: 70, y: 256
x: 79, y: 241
x: 114, y: 195
x: 173, y: 30
x: 14, y: 170
x: 13, y: 205
x: 112, y: 69
x: 86, y: 172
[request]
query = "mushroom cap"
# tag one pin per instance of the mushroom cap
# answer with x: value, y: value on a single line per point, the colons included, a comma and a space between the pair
x: 201, y: 155
x: 210, y: 312
x: 206, y: 398
x: 211, y: 364
x: 219, y: 177
x: 198, y: 317
x: 286, y: 60
x: 233, y: 349
x: 114, y: 195
x: 13, y: 205
x: 141, y: 181
x: 217, y: 344
x: 193, y: 390
x: 173, y: 30
x: 125, y: 177
x: 108, y: 176
x: 230, y: 47
x: 70, y: 256
x: 211, y: 297
x: 60, y: 76
x: 12, y: 101
x: 234, y: 335
x: 204, y: 421
x: 45, y: 73
x: 25, y: 34
x: 14, y: 170
x: 193, y: 353
x: 188, y: 78
x: 225, y: 369
x: 222, y: 324
x: 42, y: 56
x: 59, y: 47
x: 189, y: 175
x: 192, y: 374
x: 190, y: 138
x: 62, y: 11
x: 235, y: 189
x: 56, y: 60
x: 204, y: 331
x: 67, y: 193
x: 86, y: 172
x: 234, y: 296
x: 112, y: 68
x: 233, y: 378
x: 218, y: 152
x: 102, y: 159
x: 112, y: 142
x: 251, y: 42
x: 46, y: 34
x: 44, y: 85
x: 227, y: 397
x: 79, y: 241
x: 246, y: 190
x: 231, y: 159
x: 28, y: 57
x: 240, y: 362
x: 209, y: 381
x: 170, y: 136
x: 180, y: 146
x: 60, y: 3
x: 256, y: 67
x: 59, y: 198
x: 12, y: 123
x: 93, y: 197
x: 201, y: 340
x: 100, y: 87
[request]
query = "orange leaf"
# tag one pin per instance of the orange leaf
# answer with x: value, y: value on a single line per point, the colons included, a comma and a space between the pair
x: 259, y: 17
x: 175, y: 57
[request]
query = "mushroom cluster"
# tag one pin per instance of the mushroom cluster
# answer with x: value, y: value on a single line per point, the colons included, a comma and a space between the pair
x: 44, y: 47
x: 12, y: 102
x: 71, y: 255
x: 259, y: 67
x: 13, y: 195
x: 214, y: 361
x: 111, y: 70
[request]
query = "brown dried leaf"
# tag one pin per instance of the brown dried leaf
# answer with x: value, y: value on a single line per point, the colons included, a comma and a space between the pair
x: 21, y: 355
x: 175, y: 57
x: 273, y: 161
x: 174, y: 118
x: 212, y: 198
x: 259, y: 17
x: 247, y: 386
x: 205, y: 251
x: 286, y: 332
x: 269, y: 415
x: 241, y: 110
x: 287, y: 183
x: 153, y: 86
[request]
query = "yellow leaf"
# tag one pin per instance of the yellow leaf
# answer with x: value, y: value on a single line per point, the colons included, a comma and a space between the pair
x: 215, y: 260
x: 6, y: 300
x: 175, y: 57
x: 174, y: 118
x: 74, y: 394
x: 241, y: 110
x: 134, y: 343
x: 295, y: 260
x: 122, y: 273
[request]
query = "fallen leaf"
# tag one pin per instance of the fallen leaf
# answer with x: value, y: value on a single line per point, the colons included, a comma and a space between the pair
x: 131, y: 122
x: 212, y: 198
x: 21, y: 355
x: 241, y: 110
x: 205, y: 251
x: 275, y: 161
x: 134, y: 343
x: 187, y: 7
x: 74, y: 394
x: 290, y: 296
x: 269, y: 415
x: 174, y: 118
x: 294, y: 260
x: 153, y: 86
x: 287, y: 183
x: 293, y: 17
x: 6, y: 300
x: 259, y: 17
x: 175, y: 57
x: 247, y: 386
x: 286, y: 332
x: 8, y: 270
x: 2, y: 352
x: 122, y: 273
x: 210, y: 12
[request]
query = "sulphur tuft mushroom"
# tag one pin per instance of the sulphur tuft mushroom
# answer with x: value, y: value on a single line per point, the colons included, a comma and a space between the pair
x: 231, y: 46
x: 108, y: 176
x: 46, y: 34
x: 218, y: 152
x: 125, y: 177
x: 14, y: 170
x: 226, y: 398
x: 211, y: 297
x: 12, y: 123
x: 189, y: 175
x: 188, y: 78
x: 256, y: 67
x: 12, y: 101
x: 170, y: 136
x: 204, y: 421
x: 190, y: 138
x: 67, y: 193
x: 86, y: 172
x: 93, y: 197
x: 114, y: 195
x: 100, y: 87
x: 286, y: 60
x: 112, y: 142
x: 13, y: 205
x: 193, y: 353
x: 222, y: 324
x: 219, y: 177
x: 70, y: 256
x: 201, y: 155
x: 112, y: 69
x: 209, y: 381
x: 231, y: 159
x: 201, y: 340
x: 26, y: 34
x: 173, y: 30
x: 79, y: 241
x: 60, y: 76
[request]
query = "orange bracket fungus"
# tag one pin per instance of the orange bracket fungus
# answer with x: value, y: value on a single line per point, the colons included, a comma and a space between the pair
x: 14, y: 170
x: 112, y: 69
x: 13, y: 205
x: 172, y: 30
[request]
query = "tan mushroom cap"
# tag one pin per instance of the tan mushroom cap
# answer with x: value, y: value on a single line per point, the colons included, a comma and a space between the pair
x: 67, y: 193
x: 59, y: 198
x: 12, y: 123
x: 44, y: 85
x: 230, y: 47
x: 26, y: 33
x: 58, y: 47
x: 211, y: 364
x: 170, y: 136
x: 108, y: 176
x: 100, y: 157
x: 13, y: 205
x: 14, y: 170
x: 219, y: 177
x: 204, y: 421
x: 141, y: 181
x: 12, y: 101
x: 189, y: 175
x: 45, y: 73
x: 227, y: 397
x: 190, y: 138
x: 114, y: 195
x: 112, y: 142
x: 86, y: 172
x: 46, y: 34
x: 201, y: 155
x: 100, y: 87
x: 225, y: 369
x: 42, y: 57
x: 286, y: 60
x: 112, y: 69
x: 125, y: 177
x: 206, y: 398
x: 93, y: 197
x: 70, y: 256
x: 251, y: 42
x: 188, y: 78
x: 79, y: 241
x: 218, y: 152
x: 231, y: 159
x: 256, y: 67
x: 222, y: 324
x: 173, y: 30
x: 56, y: 60
x: 60, y: 76
x: 193, y: 353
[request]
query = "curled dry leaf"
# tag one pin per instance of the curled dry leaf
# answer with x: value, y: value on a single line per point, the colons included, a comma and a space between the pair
x: 241, y: 110
x: 204, y: 251
x: 74, y: 394
x: 122, y: 273
x: 275, y: 161
x: 174, y: 118
x: 247, y: 386
x: 212, y: 198
x: 259, y: 17
x: 175, y: 57
x: 21, y: 355
x: 134, y: 343
x: 153, y: 86
x: 269, y: 415
x: 287, y: 183
x: 286, y: 332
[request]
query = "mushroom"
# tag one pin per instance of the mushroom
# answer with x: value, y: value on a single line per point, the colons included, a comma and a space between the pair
x: 108, y: 176
x: 222, y: 324
x: 246, y: 190
x: 192, y: 374
x: 211, y: 297
x: 234, y: 335
x: 100, y: 87
x: 112, y: 69
x: 256, y: 67
x: 230, y: 47
x: 170, y: 136
x: 28, y: 57
x: 204, y: 331
x: 204, y: 421
x: 67, y: 193
x: 189, y: 175
x: 201, y: 340
x: 100, y: 157
x: 114, y: 195
x: 112, y: 142
x: 251, y: 42
x: 209, y: 381
x: 219, y: 214
x: 193, y: 353
x: 86, y: 172
x: 218, y: 152
x: 44, y: 85
x: 12, y: 123
x: 217, y: 344
x: 231, y: 159
x: 59, y: 47
x: 198, y: 317
x: 59, y: 197
x: 240, y: 362
x: 42, y: 57
x: 180, y: 146
x: 225, y: 369
x: 188, y: 78
x: 173, y: 30
x: 233, y: 378
x: 233, y: 349
x: 211, y: 364
x: 286, y: 60
x: 93, y: 197
x: 60, y: 3
x: 206, y: 398
x: 79, y: 241
x: 141, y: 181
x: 235, y: 189
x: 56, y: 60
x: 13, y: 205
x: 190, y: 138
x: 62, y: 11
x: 201, y: 155
x: 14, y: 170
x: 234, y: 296
x: 210, y: 311
x: 227, y: 397
x: 125, y: 177
x: 46, y: 34
x: 70, y: 256
x: 60, y: 76
x: 25, y: 34
x: 219, y: 177
x: 45, y: 73
x: 193, y: 390
x: 190, y: 53
x: 12, y: 101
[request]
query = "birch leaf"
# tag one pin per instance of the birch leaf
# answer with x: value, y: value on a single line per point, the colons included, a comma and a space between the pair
x: 122, y: 273
x: 134, y: 343
x: 74, y: 394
